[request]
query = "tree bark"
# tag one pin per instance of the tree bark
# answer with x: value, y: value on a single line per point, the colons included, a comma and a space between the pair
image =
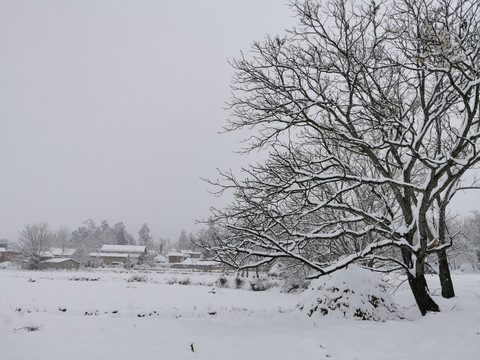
x: 418, y: 285
x: 444, y: 275
x: 425, y: 303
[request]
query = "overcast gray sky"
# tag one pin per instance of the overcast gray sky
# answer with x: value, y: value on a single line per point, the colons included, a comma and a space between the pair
x: 110, y: 109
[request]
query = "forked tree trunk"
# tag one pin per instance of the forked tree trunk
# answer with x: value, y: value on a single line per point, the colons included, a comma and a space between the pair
x: 444, y: 275
x: 425, y: 303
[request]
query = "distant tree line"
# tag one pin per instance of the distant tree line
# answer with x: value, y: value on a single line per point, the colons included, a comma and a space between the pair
x: 35, y: 240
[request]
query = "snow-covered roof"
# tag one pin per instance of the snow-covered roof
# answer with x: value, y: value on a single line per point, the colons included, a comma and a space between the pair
x: 130, y: 249
x: 62, y: 252
x: 2, y: 249
x: 160, y: 258
x: 111, y: 254
x: 59, y: 260
x: 177, y: 254
x: 191, y: 252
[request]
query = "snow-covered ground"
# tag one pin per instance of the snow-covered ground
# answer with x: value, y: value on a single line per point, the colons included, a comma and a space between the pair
x: 88, y: 315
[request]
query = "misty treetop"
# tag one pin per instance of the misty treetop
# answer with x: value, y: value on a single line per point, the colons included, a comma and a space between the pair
x: 89, y: 236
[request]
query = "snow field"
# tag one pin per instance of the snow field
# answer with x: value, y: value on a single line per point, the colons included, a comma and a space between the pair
x: 111, y: 318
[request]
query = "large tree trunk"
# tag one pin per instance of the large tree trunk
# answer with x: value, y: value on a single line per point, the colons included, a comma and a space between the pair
x: 425, y: 303
x: 443, y: 267
x: 418, y: 285
x: 444, y: 275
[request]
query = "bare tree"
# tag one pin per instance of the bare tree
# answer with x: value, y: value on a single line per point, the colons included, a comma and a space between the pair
x: 370, y: 113
x: 466, y: 247
x: 161, y: 244
x: 62, y: 237
x: 144, y: 237
x: 34, y: 241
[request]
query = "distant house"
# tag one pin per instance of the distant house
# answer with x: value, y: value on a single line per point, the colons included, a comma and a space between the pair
x: 3, y: 250
x: 192, y: 254
x: 119, y: 253
x: 11, y: 256
x: 160, y: 258
x: 56, y: 253
x: 62, y: 252
x: 176, y: 257
x: 59, y: 263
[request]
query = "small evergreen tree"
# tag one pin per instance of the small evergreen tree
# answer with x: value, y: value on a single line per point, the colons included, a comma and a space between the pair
x: 183, y: 242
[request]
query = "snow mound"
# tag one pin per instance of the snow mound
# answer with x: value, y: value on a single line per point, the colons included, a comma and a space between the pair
x: 353, y: 293
x: 7, y: 265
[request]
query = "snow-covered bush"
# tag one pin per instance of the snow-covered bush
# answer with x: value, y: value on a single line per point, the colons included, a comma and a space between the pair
x: 181, y: 281
x: 239, y: 282
x: 137, y: 278
x: 184, y: 281
x: 261, y: 284
x: 84, y: 278
x: 130, y: 262
x: 222, y: 281
x: 94, y: 262
x: 295, y: 283
x: 353, y: 293
x: 7, y: 265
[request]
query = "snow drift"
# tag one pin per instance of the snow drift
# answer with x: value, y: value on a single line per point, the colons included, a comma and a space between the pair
x: 353, y: 293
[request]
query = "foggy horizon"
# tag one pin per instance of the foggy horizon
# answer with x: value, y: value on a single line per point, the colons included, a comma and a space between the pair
x: 111, y: 110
